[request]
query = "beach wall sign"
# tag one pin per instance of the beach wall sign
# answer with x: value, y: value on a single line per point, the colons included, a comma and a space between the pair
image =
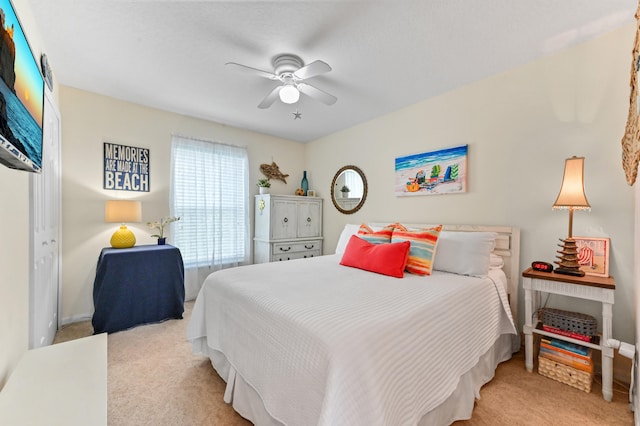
x: 126, y: 168
x: 436, y: 172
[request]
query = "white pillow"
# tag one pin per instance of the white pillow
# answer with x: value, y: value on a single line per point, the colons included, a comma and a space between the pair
x: 349, y: 230
x: 495, y: 261
x: 464, y: 253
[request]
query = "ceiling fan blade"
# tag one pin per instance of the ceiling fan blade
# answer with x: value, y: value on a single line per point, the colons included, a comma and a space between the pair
x: 311, y: 70
x: 316, y: 93
x: 251, y: 70
x: 270, y: 98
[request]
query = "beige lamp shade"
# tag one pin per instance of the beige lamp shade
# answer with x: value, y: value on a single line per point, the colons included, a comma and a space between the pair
x: 571, y: 197
x: 571, y: 194
x: 123, y: 211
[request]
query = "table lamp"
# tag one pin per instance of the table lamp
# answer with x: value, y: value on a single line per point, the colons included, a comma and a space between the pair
x: 122, y: 211
x: 571, y: 197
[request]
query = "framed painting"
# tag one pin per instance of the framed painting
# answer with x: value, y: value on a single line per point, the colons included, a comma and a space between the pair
x: 593, y: 255
x: 436, y: 172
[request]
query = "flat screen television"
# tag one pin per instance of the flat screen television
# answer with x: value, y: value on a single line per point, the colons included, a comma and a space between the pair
x: 21, y: 96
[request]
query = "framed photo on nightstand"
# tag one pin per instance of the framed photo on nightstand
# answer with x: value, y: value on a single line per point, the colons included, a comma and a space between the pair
x: 593, y: 255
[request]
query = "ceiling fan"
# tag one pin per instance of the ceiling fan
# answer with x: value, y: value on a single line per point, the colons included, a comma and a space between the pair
x: 291, y: 71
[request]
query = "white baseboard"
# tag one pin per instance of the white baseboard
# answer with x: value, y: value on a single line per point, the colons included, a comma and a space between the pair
x: 76, y: 318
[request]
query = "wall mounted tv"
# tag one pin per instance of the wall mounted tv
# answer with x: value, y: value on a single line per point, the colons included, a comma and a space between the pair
x: 21, y: 96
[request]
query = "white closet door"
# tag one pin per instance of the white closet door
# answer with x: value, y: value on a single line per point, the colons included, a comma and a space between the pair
x: 45, y: 274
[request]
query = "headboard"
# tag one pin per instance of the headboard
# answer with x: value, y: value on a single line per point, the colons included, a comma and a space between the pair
x: 507, y: 247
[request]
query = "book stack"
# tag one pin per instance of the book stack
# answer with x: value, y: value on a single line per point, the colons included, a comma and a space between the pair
x: 567, y: 353
x: 567, y: 333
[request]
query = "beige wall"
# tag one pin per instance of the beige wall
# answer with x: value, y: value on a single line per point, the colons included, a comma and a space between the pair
x: 89, y: 120
x: 14, y: 264
x: 520, y: 126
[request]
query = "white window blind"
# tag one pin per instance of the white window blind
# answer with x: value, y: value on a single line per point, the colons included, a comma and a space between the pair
x: 354, y: 182
x: 210, y: 192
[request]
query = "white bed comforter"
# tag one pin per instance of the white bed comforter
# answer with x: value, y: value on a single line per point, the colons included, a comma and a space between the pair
x: 325, y: 344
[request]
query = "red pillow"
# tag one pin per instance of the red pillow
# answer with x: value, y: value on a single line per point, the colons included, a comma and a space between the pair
x: 387, y: 259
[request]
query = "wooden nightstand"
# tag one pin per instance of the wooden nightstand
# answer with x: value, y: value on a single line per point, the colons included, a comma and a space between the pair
x: 589, y: 288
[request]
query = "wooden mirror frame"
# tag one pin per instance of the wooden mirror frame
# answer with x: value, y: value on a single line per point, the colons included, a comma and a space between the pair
x: 364, y: 190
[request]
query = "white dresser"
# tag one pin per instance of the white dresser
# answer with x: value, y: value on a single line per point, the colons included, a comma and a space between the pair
x: 287, y: 227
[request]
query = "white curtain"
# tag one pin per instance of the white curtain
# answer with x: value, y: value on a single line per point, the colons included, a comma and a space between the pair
x: 210, y: 192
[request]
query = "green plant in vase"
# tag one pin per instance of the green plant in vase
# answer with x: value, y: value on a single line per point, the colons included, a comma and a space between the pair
x: 160, y: 224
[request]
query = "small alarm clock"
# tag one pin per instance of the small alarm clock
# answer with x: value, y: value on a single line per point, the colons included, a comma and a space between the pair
x: 538, y: 265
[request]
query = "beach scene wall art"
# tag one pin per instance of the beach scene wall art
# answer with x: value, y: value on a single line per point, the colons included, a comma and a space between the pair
x: 436, y: 172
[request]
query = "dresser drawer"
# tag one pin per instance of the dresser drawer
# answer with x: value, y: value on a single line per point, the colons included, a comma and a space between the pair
x: 297, y: 247
x: 277, y: 257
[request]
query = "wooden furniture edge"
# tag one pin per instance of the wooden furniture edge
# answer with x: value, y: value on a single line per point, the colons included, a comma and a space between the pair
x: 588, y: 280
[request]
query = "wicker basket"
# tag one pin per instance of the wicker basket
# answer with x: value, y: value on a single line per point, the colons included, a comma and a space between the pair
x: 569, y: 321
x: 563, y: 373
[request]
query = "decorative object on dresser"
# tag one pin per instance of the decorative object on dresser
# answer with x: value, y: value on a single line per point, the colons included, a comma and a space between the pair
x: 571, y: 197
x: 160, y: 225
x: 263, y: 185
x: 569, y: 329
x: 287, y: 227
x: 121, y: 211
x: 304, y: 184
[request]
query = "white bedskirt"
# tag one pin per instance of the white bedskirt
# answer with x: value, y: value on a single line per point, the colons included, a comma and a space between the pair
x: 458, y: 406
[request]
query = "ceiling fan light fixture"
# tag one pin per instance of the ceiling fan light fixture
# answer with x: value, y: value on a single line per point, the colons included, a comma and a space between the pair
x: 289, y: 94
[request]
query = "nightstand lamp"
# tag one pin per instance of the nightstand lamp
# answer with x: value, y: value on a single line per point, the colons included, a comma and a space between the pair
x: 571, y: 197
x: 121, y: 211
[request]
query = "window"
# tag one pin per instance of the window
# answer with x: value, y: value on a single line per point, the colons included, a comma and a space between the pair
x: 210, y: 192
x: 354, y: 182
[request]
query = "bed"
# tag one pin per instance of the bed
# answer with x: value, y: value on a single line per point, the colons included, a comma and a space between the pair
x: 314, y: 342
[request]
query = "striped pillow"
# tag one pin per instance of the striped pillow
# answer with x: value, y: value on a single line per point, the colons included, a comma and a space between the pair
x: 375, y: 237
x: 423, y: 248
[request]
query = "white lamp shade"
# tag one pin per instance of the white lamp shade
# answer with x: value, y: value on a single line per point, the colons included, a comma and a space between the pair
x: 571, y: 194
x: 289, y: 94
x: 121, y: 211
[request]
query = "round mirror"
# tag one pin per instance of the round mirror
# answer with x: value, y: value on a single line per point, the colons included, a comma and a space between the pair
x: 349, y: 189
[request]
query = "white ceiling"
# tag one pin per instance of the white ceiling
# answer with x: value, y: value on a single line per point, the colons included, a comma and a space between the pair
x: 385, y: 54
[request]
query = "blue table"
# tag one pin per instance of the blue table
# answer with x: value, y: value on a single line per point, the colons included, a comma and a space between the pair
x: 138, y: 285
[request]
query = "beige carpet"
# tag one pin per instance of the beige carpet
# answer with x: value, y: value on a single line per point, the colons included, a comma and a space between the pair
x: 153, y: 379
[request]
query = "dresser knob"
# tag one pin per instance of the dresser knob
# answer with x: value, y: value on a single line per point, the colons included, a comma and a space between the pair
x: 286, y: 220
x: 308, y: 220
x: 309, y: 247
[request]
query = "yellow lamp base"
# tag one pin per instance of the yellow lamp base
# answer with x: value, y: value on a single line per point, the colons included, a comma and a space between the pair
x: 123, y: 238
